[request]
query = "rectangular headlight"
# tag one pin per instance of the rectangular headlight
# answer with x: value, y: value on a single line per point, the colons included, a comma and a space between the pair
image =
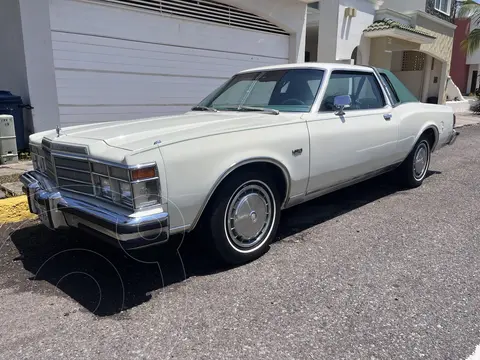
x: 137, y: 187
x: 146, y: 193
x: 125, y: 190
x: 102, y: 186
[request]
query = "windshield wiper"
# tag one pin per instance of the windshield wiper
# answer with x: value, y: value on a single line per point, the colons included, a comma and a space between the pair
x: 254, y: 108
x: 204, y: 108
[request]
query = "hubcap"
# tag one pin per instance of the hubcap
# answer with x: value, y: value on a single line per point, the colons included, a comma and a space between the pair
x: 249, y: 215
x: 420, y: 161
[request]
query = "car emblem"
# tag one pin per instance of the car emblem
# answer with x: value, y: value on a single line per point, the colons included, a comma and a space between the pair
x: 297, y: 152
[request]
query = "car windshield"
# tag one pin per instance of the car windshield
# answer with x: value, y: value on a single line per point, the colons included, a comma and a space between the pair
x: 288, y: 90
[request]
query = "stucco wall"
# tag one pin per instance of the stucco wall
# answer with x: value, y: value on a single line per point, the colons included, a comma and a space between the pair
x: 327, y: 25
x: 13, y: 69
x: 383, y: 49
x: 378, y: 55
x: 404, y: 5
x: 13, y: 73
x: 441, y: 48
x: 459, y: 67
x: 350, y: 29
x: 39, y: 61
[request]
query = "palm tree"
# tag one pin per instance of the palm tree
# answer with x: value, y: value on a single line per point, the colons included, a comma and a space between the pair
x: 471, y: 10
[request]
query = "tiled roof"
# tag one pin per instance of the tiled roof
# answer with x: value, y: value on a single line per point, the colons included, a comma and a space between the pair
x: 386, y: 24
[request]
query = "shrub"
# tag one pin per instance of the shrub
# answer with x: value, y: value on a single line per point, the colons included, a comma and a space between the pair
x: 475, y: 107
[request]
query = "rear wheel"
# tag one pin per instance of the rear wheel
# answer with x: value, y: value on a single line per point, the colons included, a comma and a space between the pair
x: 415, y: 167
x: 244, y: 217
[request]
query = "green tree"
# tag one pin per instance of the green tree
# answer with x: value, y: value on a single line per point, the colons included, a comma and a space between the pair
x: 470, y: 9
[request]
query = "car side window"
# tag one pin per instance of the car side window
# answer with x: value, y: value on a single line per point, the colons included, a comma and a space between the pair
x: 362, y: 87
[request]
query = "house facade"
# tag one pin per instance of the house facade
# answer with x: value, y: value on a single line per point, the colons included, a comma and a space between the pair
x: 83, y: 61
x: 412, y: 38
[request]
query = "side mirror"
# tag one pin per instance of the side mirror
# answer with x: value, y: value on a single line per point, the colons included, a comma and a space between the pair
x: 340, y: 102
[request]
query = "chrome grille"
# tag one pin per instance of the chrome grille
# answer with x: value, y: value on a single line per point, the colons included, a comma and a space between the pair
x: 74, y: 175
x: 46, y: 147
x: 70, y: 168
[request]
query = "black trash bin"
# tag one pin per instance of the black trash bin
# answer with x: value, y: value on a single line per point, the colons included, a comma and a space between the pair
x: 13, y: 105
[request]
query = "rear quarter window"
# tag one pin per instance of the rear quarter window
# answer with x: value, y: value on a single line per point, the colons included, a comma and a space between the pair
x: 398, y: 90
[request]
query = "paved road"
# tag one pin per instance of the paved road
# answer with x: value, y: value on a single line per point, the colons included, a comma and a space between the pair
x: 369, y: 272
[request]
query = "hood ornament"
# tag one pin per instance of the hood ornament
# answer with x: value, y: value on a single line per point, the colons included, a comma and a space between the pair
x: 58, y: 130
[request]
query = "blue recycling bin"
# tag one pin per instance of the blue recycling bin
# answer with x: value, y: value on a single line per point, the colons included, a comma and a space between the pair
x: 13, y: 105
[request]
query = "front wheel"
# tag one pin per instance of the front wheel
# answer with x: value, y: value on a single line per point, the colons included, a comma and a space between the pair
x: 415, y: 167
x: 245, y: 216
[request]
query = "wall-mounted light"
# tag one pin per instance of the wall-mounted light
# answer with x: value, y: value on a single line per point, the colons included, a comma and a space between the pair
x: 350, y: 12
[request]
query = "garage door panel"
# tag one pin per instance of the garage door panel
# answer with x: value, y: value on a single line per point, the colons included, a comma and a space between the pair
x: 115, y: 63
x: 89, y: 46
x: 127, y: 99
x: 180, y: 66
x: 133, y: 93
x: 94, y: 44
x: 67, y: 78
x: 108, y: 88
x: 136, y: 69
x: 122, y: 23
x: 98, y: 96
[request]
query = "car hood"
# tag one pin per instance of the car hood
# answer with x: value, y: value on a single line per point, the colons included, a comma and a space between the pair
x: 144, y: 133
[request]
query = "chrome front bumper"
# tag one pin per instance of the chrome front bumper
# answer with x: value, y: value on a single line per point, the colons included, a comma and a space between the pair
x: 59, y: 210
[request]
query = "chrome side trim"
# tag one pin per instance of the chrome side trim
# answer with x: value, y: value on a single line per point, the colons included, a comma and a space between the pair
x: 141, y: 180
x: 235, y: 166
x: 347, y: 183
x: 179, y: 229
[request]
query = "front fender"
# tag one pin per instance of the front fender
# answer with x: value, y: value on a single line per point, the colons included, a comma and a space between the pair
x: 195, y: 168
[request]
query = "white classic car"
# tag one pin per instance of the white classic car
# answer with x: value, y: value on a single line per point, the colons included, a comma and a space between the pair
x: 268, y: 139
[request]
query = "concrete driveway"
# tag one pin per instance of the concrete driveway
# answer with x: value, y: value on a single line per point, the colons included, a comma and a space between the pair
x: 369, y: 272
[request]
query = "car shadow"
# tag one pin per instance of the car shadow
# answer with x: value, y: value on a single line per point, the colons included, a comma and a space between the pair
x: 106, y: 280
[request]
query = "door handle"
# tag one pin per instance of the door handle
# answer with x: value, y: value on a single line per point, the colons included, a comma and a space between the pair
x: 387, y: 116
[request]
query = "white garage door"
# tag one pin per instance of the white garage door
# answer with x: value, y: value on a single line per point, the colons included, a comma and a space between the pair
x: 125, y: 59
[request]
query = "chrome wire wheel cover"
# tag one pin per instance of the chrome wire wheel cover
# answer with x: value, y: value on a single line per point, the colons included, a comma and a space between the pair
x: 250, y: 216
x: 421, y: 160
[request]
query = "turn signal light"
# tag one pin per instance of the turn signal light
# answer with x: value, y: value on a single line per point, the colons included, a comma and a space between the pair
x: 144, y: 173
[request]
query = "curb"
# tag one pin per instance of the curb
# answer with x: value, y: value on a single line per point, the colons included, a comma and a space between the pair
x: 15, y: 209
x: 12, y: 189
